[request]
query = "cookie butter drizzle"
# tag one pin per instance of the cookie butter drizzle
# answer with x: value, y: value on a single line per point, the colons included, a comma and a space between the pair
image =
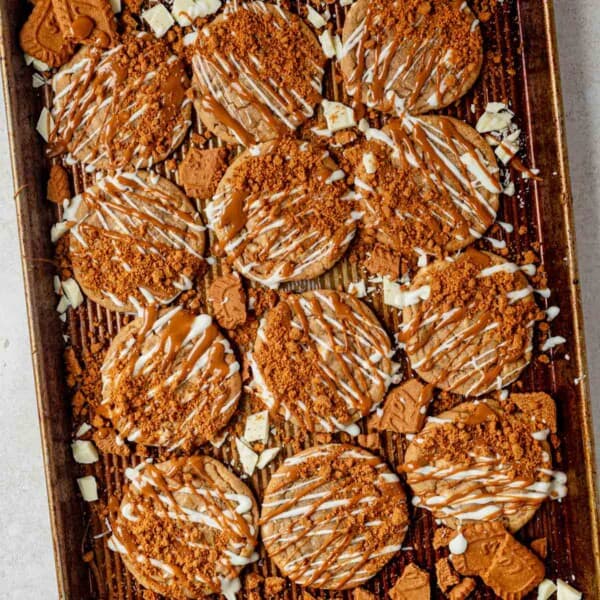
x: 209, y: 515
x: 485, y: 488
x: 269, y: 235
x: 196, y: 363
x: 338, y: 518
x: 378, y: 79
x: 224, y: 79
x: 430, y: 333
x: 121, y: 205
x: 94, y: 113
x: 345, y: 337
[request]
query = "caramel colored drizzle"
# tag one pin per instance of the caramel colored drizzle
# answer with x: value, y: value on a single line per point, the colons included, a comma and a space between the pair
x: 204, y: 513
x: 352, y: 344
x: 231, y: 80
x: 195, y: 362
x: 344, y: 515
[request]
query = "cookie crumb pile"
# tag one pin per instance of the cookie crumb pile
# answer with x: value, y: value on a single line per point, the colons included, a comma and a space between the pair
x: 298, y: 337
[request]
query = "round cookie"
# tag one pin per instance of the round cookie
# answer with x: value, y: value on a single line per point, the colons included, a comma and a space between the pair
x: 482, y: 461
x: 417, y: 193
x: 122, y: 107
x: 322, y: 360
x: 170, y: 380
x: 283, y: 212
x: 186, y: 528
x: 135, y: 239
x: 410, y: 55
x: 468, y: 325
x: 333, y: 516
x: 257, y: 73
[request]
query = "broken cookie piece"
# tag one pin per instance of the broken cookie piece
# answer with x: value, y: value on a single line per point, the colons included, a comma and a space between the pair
x: 413, y: 584
x: 382, y: 261
x: 228, y: 300
x: 201, y: 170
x: 405, y: 407
x: 463, y: 590
x: 445, y: 574
x: 540, y: 547
x: 58, y: 189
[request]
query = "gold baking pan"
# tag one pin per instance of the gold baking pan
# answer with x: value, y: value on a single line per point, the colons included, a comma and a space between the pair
x: 521, y: 38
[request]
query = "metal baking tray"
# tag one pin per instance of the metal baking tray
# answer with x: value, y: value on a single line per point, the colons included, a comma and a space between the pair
x: 522, y: 35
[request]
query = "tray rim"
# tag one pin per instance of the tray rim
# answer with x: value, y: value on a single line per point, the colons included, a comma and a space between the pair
x: 7, y: 71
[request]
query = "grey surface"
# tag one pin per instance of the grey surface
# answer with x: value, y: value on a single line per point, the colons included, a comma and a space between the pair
x: 26, y: 561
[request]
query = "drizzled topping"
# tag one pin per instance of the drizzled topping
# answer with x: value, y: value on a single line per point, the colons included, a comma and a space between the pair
x: 186, y: 527
x: 135, y: 240
x: 410, y: 54
x: 170, y: 380
x: 283, y: 212
x: 473, y: 333
x: 417, y: 193
x: 122, y: 107
x: 257, y: 73
x: 322, y: 360
x: 332, y: 516
x: 480, y: 462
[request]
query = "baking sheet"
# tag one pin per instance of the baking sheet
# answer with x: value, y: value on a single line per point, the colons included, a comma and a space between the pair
x: 522, y: 34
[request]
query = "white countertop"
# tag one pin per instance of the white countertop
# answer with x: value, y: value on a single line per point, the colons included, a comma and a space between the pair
x: 26, y: 560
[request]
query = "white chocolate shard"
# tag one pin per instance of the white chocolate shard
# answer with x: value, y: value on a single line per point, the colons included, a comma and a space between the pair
x: 88, y: 488
x: 159, y: 19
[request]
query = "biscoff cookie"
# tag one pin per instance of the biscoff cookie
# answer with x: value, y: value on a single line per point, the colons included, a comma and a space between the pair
x: 410, y: 55
x: 135, y: 240
x: 427, y: 185
x: 468, y: 323
x: 186, y: 528
x: 87, y: 21
x: 322, y: 360
x: 257, y: 73
x: 482, y: 461
x: 283, y: 212
x: 123, y: 107
x: 170, y: 379
x: 333, y: 516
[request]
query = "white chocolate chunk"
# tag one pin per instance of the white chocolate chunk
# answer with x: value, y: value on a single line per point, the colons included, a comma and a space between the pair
x: 220, y: 441
x: 358, y: 288
x: 159, y: 19
x: 394, y: 295
x: 45, y: 124
x: 63, y: 305
x: 480, y: 173
x: 84, y: 452
x: 184, y: 10
x: 88, y: 488
x: 40, y: 65
x: 58, y: 230
x: 314, y: 18
x: 257, y: 427
x: 338, y: 115
x: 266, y: 456
x: 369, y: 162
x: 566, y: 592
x: 37, y: 81
x: 116, y: 5
x: 83, y: 429
x: 506, y: 151
x: 248, y: 458
x: 495, y: 107
x: 545, y: 590
x: 493, y: 122
x: 72, y: 292
x: 339, y: 47
x: 327, y: 44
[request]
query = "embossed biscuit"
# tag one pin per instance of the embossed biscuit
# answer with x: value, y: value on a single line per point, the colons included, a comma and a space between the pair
x: 87, y: 21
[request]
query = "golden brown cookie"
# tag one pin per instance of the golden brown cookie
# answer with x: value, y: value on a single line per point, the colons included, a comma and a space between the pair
x: 322, y: 360
x: 333, y: 516
x: 186, y: 527
x: 283, y: 212
x: 410, y: 55
x: 135, y: 240
x: 121, y: 108
x: 482, y: 461
x: 87, y: 21
x: 42, y: 38
x: 257, y: 73
x: 468, y: 323
x: 170, y: 379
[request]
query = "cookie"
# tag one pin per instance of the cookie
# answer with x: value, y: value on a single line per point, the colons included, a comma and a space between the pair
x: 468, y: 323
x: 87, y: 21
x: 482, y: 461
x: 322, y: 361
x: 135, y: 240
x: 42, y: 38
x: 333, y: 516
x: 257, y: 73
x: 417, y: 193
x: 121, y: 108
x: 409, y: 54
x: 170, y: 379
x: 186, y: 527
x: 283, y: 212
